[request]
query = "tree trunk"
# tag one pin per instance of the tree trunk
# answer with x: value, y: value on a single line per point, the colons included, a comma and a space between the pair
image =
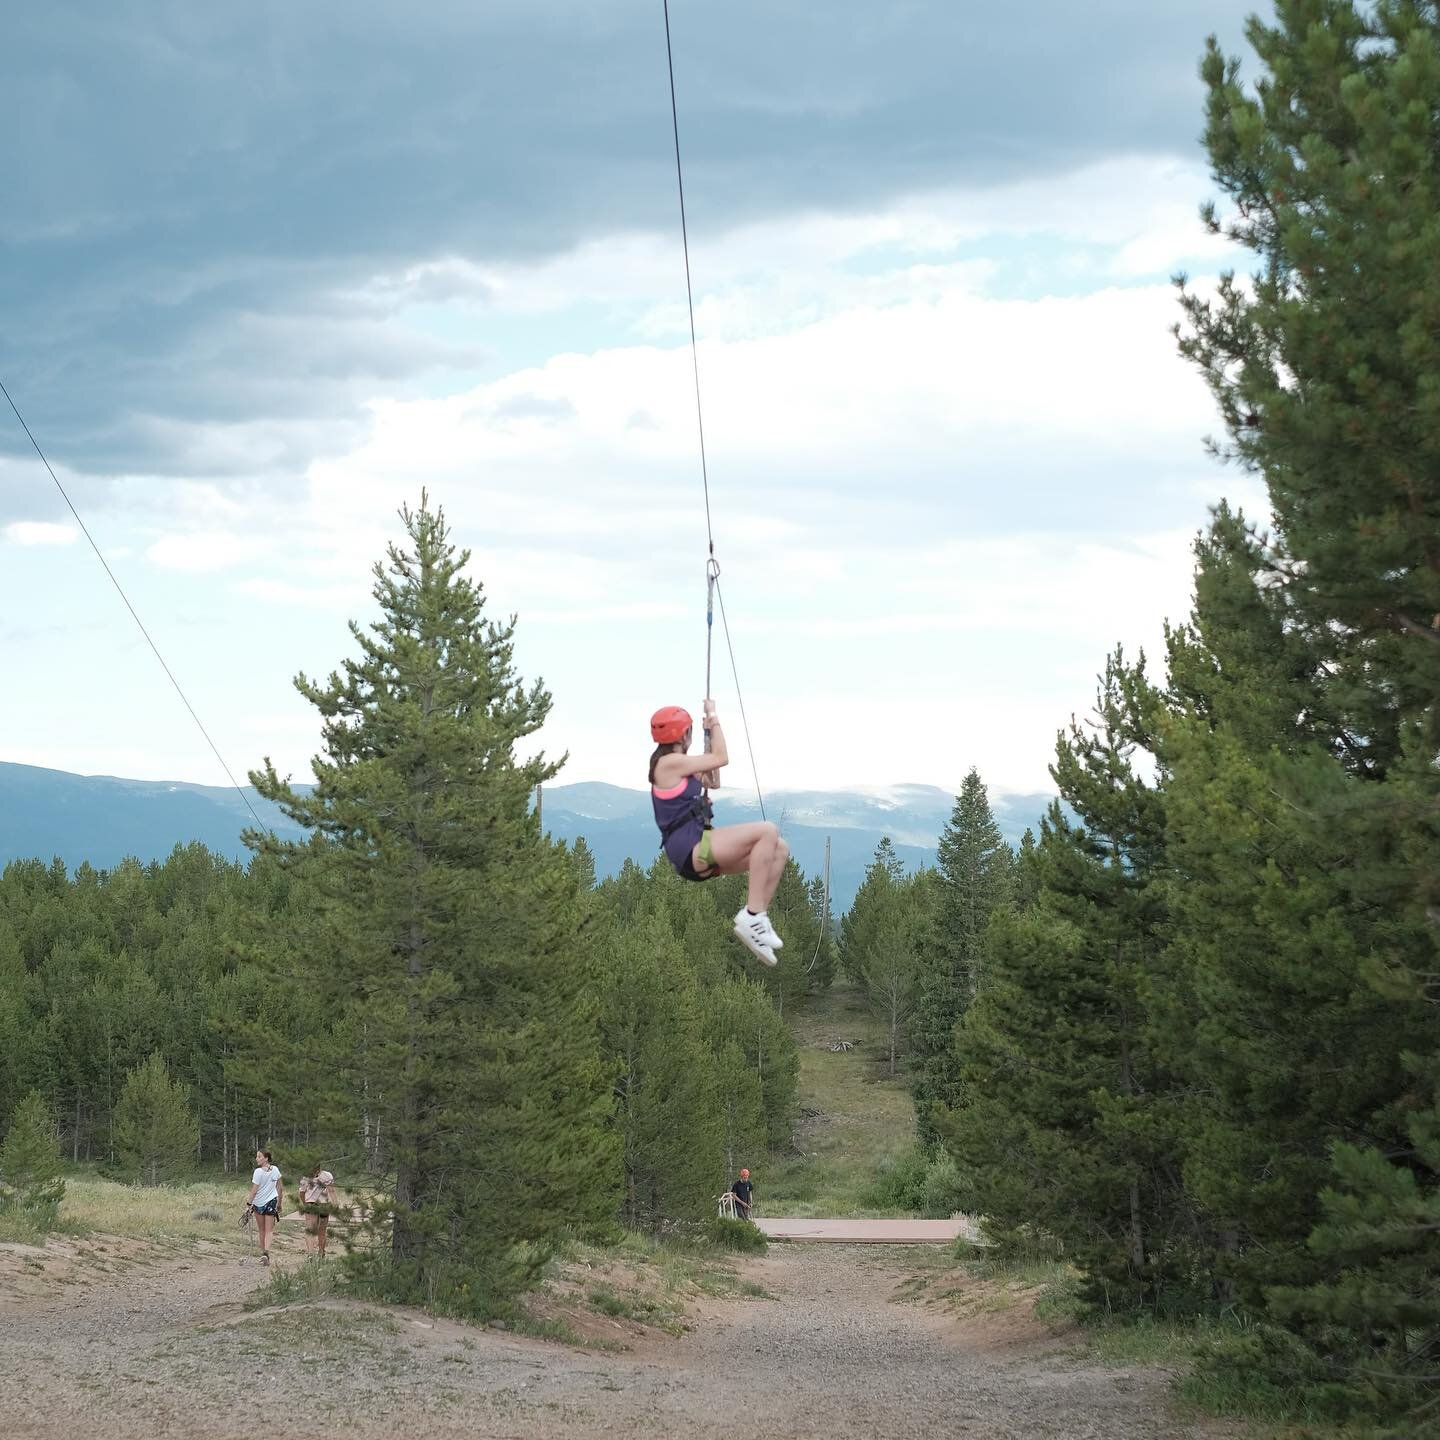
x: 1137, y: 1227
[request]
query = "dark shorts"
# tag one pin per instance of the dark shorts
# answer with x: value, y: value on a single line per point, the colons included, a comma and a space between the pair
x: 271, y: 1207
x: 680, y: 851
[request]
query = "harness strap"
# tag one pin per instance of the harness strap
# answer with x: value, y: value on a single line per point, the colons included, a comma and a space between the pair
x: 700, y: 809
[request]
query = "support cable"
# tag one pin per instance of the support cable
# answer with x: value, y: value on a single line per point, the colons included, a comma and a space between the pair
x: 119, y: 590
x: 712, y: 569
x: 689, y: 288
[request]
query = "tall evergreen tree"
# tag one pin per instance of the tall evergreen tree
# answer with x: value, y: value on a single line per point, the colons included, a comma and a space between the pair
x: 738, y: 1013
x: 668, y: 1111
x: 1324, y: 366
x: 1267, y: 972
x: 1325, y: 369
x: 879, y: 937
x: 446, y: 929
x: 975, y: 878
x: 1063, y: 1122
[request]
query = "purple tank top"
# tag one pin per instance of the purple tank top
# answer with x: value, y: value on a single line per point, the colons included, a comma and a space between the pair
x: 680, y: 826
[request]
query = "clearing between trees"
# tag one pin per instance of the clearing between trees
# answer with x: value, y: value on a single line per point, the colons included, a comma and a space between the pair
x: 112, y: 1339
x: 172, y: 1328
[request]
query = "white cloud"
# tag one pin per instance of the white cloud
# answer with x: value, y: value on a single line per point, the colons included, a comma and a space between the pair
x: 931, y: 497
x: 39, y: 532
x: 204, y: 551
x: 1139, y: 212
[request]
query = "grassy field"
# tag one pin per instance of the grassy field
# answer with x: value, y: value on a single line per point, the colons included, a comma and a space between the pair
x: 204, y: 1210
x: 159, y: 1216
x: 861, y: 1118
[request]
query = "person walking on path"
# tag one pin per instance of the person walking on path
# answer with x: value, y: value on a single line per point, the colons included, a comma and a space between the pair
x: 266, y: 1193
x: 742, y: 1190
x: 317, y: 1201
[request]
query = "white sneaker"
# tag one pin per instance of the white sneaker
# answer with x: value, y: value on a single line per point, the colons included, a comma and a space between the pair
x: 770, y: 938
x: 753, y: 932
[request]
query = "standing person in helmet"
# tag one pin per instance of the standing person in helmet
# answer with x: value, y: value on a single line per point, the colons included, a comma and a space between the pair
x: 678, y: 785
x: 742, y: 1190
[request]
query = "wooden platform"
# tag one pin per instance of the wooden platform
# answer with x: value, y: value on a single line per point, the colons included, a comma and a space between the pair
x: 870, y: 1232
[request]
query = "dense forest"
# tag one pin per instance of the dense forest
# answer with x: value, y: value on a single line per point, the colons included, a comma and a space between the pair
x: 1200, y: 1053
x: 104, y: 969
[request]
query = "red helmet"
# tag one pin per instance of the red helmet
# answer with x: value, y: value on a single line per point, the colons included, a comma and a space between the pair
x: 669, y: 725
x: 744, y: 1174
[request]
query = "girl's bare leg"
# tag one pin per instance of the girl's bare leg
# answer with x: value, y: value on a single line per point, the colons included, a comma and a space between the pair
x: 755, y: 849
x: 262, y: 1232
x: 321, y: 1224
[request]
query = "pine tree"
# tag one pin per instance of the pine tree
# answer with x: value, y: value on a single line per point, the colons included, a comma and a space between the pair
x: 1267, y: 976
x: 446, y: 931
x: 1024, y: 879
x: 739, y: 1014
x: 667, y: 1103
x: 1374, y: 1319
x: 1063, y: 1123
x: 863, y: 923
x: 879, y: 941
x: 155, y: 1127
x: 794, y: 917
x: 15, y: 1040
x: 582, y: 858
x: 31, y: 1185
x: 1325, y: 366
x: 974, y: 865
x: 741, y: 1106
x: 1325, y: 369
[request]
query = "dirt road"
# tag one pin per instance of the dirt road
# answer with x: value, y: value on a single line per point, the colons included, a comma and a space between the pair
x: 159, y: 1346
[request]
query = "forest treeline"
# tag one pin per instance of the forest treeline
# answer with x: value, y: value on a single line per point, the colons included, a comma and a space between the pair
x: 103, y: 971
x: 428, y: 995
x: 1193, y: 1041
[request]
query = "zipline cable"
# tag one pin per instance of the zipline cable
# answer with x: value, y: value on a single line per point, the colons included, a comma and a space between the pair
x: 712, y: 569
x: 689, y: 289
x: 119, y: 590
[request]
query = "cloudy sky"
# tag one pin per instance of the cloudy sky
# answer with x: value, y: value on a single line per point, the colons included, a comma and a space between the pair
x: 268, y: 271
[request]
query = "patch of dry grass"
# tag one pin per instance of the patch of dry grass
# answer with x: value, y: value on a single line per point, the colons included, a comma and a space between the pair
x: 205, y: 1210
x: 865, y: 1116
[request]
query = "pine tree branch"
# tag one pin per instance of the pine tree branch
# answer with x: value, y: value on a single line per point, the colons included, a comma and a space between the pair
x: 1413, y: 627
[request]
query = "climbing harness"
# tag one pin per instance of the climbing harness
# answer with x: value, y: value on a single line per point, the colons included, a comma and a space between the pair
x: 677, y: 814
x: 700, y: 809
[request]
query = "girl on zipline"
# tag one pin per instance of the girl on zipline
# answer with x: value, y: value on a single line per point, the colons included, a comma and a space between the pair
x: 698, y: 851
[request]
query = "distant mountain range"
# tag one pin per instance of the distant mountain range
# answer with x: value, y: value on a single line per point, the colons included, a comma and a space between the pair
x: 45, y: 813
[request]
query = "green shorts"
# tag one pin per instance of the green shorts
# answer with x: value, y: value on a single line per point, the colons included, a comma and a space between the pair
x: 703, y: 850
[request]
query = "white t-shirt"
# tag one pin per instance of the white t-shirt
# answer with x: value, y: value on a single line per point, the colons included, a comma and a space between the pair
x: 268, y: 1180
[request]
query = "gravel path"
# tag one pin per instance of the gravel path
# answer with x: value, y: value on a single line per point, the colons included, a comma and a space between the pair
x: 165, y: 1348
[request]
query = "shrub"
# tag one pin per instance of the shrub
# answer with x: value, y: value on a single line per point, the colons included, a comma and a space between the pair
x: 155, y: 1129
x: 31, y: 1186
x: 942, y: 1192
x: 899, y: 1182
x: 740, y: 1235
x: 919, y: 1181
